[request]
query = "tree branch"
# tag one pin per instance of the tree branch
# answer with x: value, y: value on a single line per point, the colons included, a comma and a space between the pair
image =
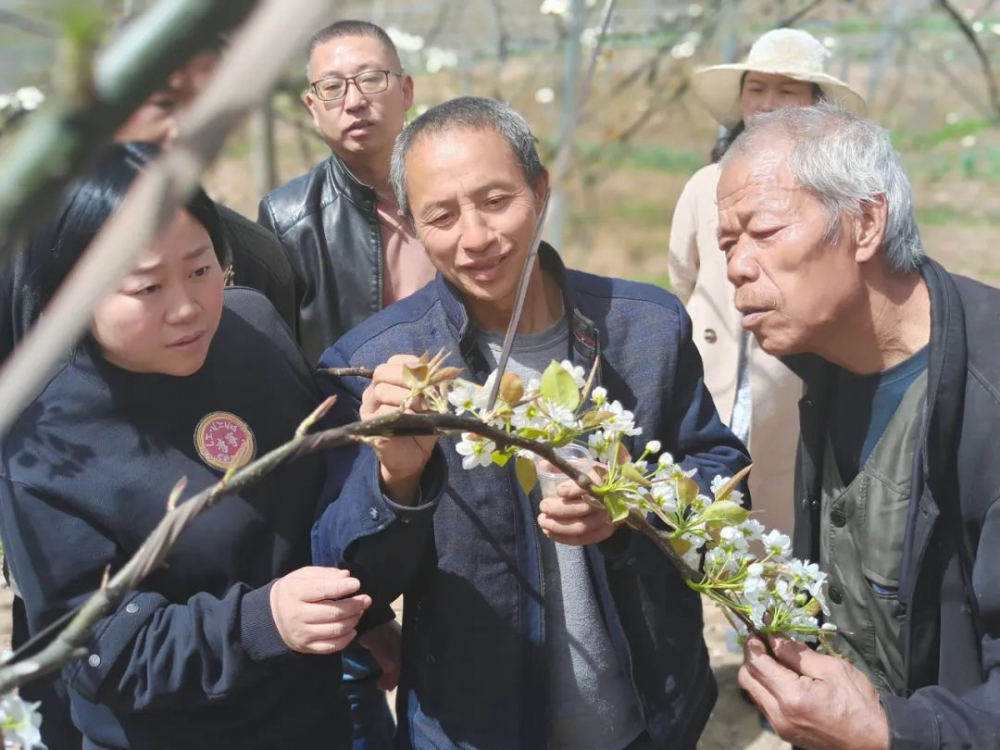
x: 66, y: 137
x: 241, y: 80
x: 798, y: 15
x: 69, y: 643
x: 984, y: 60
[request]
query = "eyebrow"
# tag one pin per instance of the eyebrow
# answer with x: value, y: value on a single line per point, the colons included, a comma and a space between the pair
x: 145, y: 270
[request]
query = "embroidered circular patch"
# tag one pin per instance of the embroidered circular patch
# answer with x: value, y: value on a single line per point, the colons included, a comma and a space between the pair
x: 223, y: 439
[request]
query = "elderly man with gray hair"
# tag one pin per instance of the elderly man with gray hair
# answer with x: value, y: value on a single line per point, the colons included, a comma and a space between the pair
x: 897, y: 481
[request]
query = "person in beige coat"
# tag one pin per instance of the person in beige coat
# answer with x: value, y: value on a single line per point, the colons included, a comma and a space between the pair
x: 755, y: 394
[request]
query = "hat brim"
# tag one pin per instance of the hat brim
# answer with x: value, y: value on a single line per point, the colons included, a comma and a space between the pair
x: 718, y: 89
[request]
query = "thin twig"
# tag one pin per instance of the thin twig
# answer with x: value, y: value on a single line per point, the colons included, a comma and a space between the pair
x: 799, y: 15
x: 984, y: 60
x: 348, y: 372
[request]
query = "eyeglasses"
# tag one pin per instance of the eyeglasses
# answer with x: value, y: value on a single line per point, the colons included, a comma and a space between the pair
x: 332, y: 88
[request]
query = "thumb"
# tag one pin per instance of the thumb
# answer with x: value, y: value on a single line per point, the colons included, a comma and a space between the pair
x: 801, y: 659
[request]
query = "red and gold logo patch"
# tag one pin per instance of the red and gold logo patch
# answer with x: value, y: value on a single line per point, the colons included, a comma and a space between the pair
x: 223, y: 439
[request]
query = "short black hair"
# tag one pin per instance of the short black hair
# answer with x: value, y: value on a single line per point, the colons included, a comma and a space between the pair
x: 350, y: 27
x: 55, y: 247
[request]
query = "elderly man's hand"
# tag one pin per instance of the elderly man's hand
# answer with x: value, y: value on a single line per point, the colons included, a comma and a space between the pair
x: 814, y: 701
x: 570, y: 519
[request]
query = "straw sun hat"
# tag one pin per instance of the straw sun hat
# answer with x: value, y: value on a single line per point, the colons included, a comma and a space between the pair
x: 787, y: 52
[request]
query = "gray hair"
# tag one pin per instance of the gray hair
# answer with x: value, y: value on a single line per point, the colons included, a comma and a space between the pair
x: 846, y: 161
x: 468, y: 113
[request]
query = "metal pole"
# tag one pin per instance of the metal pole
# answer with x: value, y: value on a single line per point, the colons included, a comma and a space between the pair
x: 567, y: 115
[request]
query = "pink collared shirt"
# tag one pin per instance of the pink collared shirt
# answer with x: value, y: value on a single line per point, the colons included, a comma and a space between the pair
x: 405, y: 265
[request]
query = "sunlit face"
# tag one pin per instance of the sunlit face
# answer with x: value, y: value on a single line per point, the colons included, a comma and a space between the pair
x: 766, y: 92
x: 475, y: 213
x: 792, y: 285
x: 359, y: 126
x: 165, y: 312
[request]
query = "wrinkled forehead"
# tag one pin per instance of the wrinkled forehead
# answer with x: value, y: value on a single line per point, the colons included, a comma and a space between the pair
x: 757, y: 180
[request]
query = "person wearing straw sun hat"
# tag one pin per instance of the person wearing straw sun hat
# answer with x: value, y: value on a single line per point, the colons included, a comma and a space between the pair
x: 753, y: 392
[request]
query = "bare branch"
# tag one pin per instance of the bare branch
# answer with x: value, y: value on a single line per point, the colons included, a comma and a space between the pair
x: 69, y: 643
x: 798, y: 15
x: 346, y: 372
x: 984, y: 60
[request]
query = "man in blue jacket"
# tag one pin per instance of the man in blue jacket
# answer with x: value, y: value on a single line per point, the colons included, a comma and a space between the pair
x: 565, y: 632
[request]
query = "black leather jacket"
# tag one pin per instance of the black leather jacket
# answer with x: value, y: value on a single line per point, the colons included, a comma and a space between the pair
x: 327, y: 221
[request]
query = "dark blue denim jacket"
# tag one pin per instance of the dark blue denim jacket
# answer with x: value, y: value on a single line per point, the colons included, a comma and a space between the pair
x: 467, y: 557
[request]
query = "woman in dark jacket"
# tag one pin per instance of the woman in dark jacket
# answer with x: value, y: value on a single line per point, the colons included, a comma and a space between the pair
x: 229, y: 644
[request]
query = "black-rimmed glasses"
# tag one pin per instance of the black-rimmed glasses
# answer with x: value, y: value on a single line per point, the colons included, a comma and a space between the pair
x: 332, y: 88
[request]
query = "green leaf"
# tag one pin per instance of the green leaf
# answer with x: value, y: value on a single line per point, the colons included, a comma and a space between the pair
x: 617, y: 507
x: 725, y: 512
x: 681, y: 546
x: 500, y: 458
x: 630, y: 472
x: 526, y: 474
x: 559, y: 387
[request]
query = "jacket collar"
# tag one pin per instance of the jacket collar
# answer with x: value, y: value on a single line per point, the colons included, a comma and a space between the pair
x: 343, y: 179
x: 946, y: 369
x: 946, y: 373
x: 584, y: 333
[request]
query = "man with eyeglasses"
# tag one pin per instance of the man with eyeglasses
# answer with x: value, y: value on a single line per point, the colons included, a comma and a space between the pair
x: 352, y: 252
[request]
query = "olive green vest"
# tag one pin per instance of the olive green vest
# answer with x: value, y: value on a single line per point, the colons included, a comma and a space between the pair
x: 862, y: 529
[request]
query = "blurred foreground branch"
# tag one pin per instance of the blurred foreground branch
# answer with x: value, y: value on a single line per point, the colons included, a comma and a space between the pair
x: 68, y: 134
x: 243, y: 78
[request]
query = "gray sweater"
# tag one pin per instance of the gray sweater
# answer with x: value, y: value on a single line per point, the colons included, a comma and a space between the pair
x: 591, y: 703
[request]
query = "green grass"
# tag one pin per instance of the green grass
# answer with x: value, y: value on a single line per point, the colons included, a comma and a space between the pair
x: 640, y: 157
x: 662, y: 280
x: 943, y: 216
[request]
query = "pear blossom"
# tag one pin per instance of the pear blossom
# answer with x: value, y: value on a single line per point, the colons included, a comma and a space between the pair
x: 20, y: 722
x: 476, y: 452
x: 578, y: 373
x: 463, y: 397
x: 777, y: 544
x: 748, y: 569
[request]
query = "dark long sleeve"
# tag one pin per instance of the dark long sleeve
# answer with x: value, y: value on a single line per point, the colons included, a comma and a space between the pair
x: 380, y: 542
